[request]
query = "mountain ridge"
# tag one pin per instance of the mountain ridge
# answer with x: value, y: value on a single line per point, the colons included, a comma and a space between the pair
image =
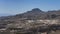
x: 35, y: 13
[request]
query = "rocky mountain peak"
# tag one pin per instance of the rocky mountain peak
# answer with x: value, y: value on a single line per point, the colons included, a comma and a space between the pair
x: 36, y: 9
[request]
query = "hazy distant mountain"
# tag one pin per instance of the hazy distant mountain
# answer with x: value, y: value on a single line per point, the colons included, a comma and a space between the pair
x: 33, y: 14
x: 36, y: 13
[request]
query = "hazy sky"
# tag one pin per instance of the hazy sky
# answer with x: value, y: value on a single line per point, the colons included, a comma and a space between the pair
x: 11, y: 7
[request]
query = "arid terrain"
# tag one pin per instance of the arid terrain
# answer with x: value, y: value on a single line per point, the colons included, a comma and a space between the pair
x: 35, y: 21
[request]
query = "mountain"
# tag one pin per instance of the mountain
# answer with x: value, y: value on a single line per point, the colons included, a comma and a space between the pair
x: 34, y: 14
x: 28, y: 21
x: 55, y: 13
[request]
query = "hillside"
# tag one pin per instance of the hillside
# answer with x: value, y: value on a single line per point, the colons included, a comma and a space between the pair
x: 34, y: 14
x: 29, y: 20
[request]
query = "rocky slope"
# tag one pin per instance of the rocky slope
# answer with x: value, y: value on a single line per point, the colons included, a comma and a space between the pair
x: 28, y: 20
